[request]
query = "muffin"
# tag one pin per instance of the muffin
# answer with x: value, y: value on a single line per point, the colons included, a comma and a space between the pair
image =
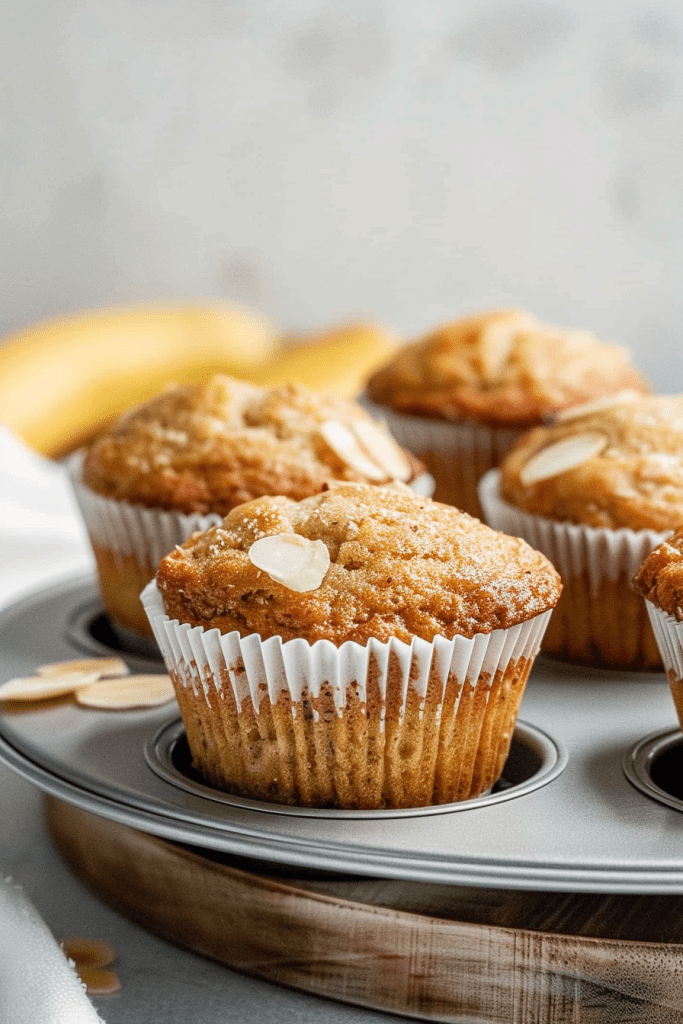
x: 362, y: 648
x: 460, y: 397
x: 180, y: 462
x: 596, y: 491
x: 660, y: 581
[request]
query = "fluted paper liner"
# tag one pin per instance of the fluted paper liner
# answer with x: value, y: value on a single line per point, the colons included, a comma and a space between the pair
x: 126, y: 529
x: 668, y: 633
x: 456, y: 453
x: 128, y: 542
x: 386, y: 725
x: 599, y: 619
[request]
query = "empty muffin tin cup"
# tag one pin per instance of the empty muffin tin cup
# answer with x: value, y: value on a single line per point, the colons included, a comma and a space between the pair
x: 655, y: 767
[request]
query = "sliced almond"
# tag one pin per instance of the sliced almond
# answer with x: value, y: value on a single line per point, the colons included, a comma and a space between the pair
x: 108, y: 667
x: 333, y: 483
x: 398, y: 485
x: 131, y: 692
x: 44, y: 687
x: 346, y: 447
x: 566, y: 454
x: 380, y: 446
x: 575, y: 412
x: 97, y: 980
x: 89, y: 952
x: 296, y: 562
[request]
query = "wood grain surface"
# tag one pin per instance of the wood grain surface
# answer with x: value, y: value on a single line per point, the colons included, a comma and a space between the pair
x: 435, y: 952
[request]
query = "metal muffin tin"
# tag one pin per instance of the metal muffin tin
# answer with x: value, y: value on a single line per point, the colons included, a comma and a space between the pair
x: 567, y: 816
x: 534, y: 761
x: 655, y: 766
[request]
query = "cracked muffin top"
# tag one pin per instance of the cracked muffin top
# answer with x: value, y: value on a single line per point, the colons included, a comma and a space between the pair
x: 660, y: 577
x: 502, y: 368
x: 208, y: 447
x: 351, y: 563
x: 616, y: 463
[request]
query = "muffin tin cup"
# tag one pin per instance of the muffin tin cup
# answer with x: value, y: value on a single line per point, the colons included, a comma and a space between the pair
x: 128, y: 542
x: 384, y: 725
x: 668, y: 632
x: 457, y: 454
x: 599, y: 620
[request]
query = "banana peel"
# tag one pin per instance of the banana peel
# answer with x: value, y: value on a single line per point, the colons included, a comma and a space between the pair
x: 339, y: 359
x: 61, y: 381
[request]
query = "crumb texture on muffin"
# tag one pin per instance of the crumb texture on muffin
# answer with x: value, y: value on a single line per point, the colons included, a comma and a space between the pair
x: 660, y: 577
x: 502, y: 368
x: 209, y: 447
x: 400, y: 566
x: 619, y: 465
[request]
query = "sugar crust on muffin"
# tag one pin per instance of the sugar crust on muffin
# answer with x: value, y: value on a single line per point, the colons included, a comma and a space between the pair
x: 208, y: 447
x: 502, y: 368
x: 633, y: 478
x: 400, y: 566
x: 660, y: 578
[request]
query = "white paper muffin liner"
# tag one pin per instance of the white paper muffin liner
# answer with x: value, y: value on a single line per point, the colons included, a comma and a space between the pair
x: 574, y: 549
x: 668, y: 633
x: 461, y: 452
x: 127, y: 529
x: 587, y: 558
x: 203, y: 662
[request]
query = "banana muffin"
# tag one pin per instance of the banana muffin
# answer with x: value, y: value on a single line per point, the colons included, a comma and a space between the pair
x: 181, y: 461
x: 660, y: 581
x: 596, y: 490
x: 461, y: 396
x: 361, y: 648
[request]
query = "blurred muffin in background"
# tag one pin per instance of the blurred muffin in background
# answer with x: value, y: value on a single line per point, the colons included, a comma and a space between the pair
x: 362, y: 648
x: 596, y: 491
x: 181, y: 461
x: 462, y: 395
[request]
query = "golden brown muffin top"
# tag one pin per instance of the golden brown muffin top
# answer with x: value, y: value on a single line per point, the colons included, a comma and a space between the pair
x: 660, y: 577
x: 208, y: 447
x: 376, y: 562
x: 503, y: 368
x: 615, y: 463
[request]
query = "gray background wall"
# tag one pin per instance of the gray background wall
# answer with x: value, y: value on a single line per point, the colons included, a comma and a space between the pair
x: 406, y: 160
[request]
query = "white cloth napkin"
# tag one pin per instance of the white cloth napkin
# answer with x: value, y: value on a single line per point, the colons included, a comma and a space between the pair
x: 37, y: 983
x: 42, y: 537
x: 41, y: 540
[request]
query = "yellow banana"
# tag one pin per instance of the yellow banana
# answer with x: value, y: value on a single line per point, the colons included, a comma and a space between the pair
x: 339, y: 359
x: 61, y: 380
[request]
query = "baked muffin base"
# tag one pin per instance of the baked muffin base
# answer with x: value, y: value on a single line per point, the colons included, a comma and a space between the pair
x: 122, y: 578
x: 599, y: 619
x: 307, y: 754
x: 385, y: 725
x: 607, y: 626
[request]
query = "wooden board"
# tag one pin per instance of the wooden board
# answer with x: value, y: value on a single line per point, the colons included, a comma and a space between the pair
x: 441, y: 953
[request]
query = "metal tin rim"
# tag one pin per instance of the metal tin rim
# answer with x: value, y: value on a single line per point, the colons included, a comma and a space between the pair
x: 140, y: 650
x: 638, y: 761
x: 160, y: 748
